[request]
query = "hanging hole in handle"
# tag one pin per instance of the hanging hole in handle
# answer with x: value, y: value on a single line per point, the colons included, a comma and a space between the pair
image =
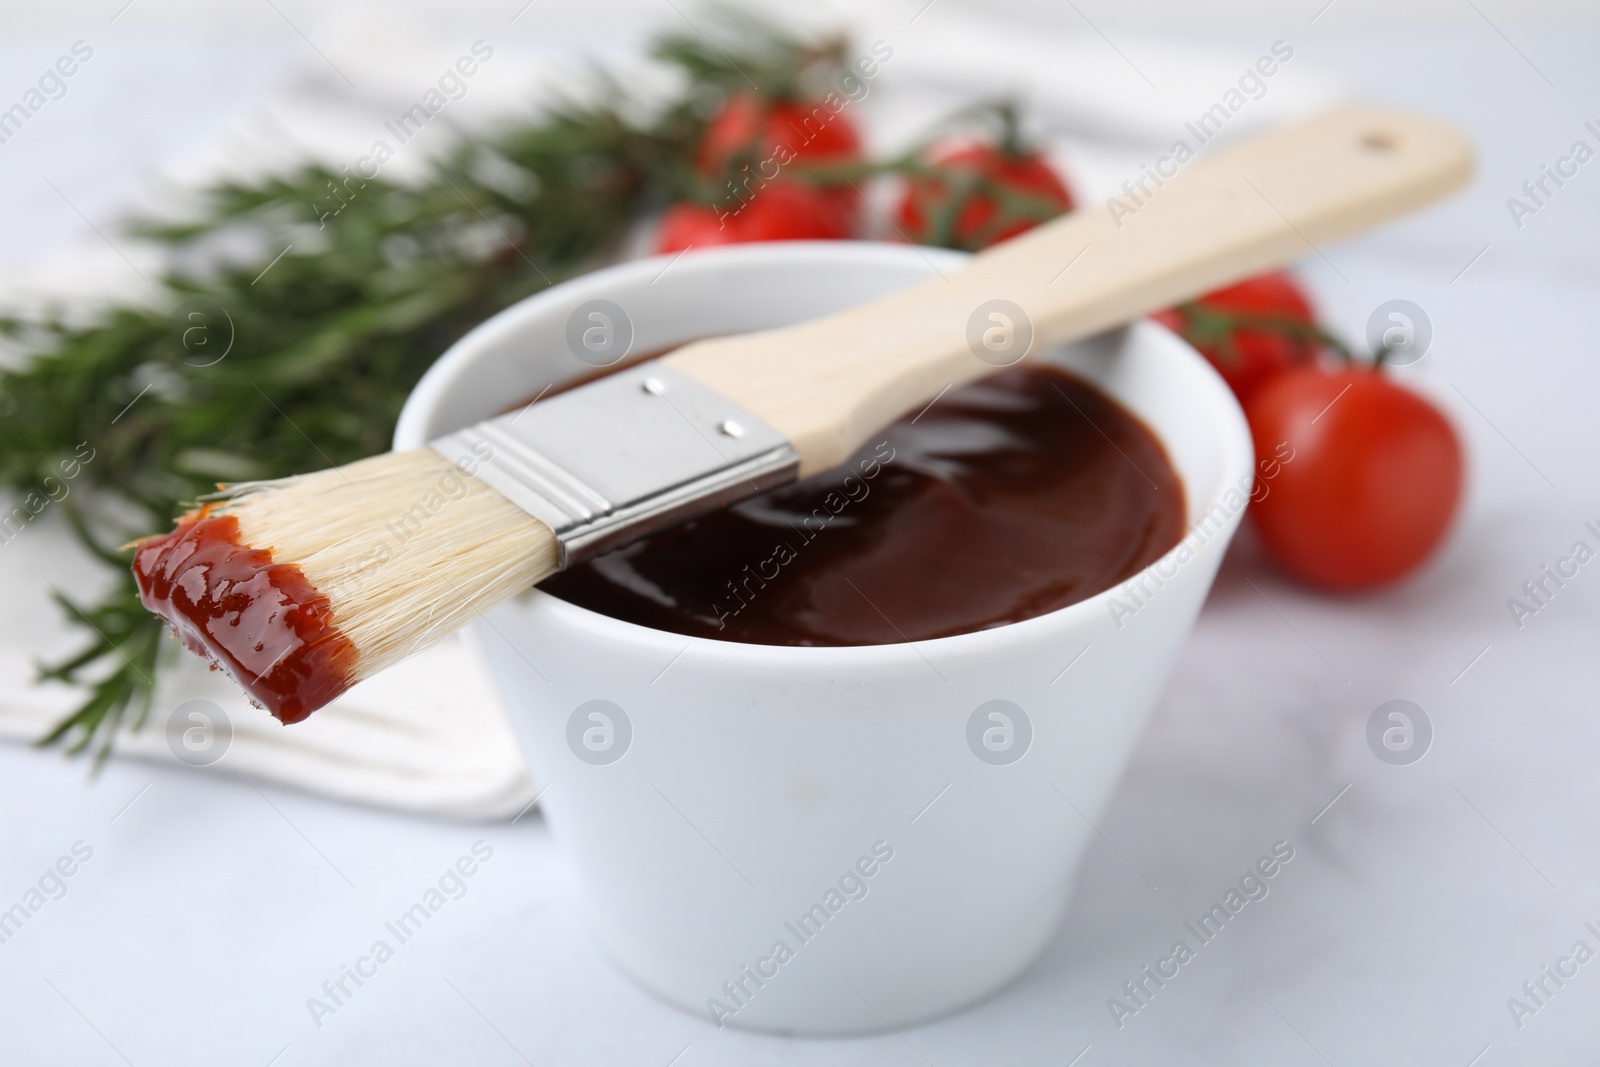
x: 1378, y: 141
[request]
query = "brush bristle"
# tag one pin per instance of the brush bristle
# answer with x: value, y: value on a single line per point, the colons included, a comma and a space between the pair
x: 405, y: 546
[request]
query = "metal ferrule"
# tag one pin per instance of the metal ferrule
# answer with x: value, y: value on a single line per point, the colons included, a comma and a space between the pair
x: 616, y: 459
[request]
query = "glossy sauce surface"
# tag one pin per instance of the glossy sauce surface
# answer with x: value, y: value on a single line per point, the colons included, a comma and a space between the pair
x: 260, y: 621
x: 1007, y: 499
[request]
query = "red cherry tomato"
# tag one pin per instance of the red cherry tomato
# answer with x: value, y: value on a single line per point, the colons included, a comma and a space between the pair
x: 768, y: 138
x: 983, y: 218
x: 808, y: 128
x: 1251, y: 332
x: 690, y: 225
x: 1361, y: 476
x: 783, y: 211
x: 786, y: 211
x: 736, y: 127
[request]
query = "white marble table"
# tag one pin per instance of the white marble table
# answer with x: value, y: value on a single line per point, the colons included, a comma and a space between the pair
x: 1420, y: 897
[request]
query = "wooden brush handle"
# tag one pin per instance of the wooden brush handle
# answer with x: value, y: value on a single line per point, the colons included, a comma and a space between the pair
x: 829, y: 383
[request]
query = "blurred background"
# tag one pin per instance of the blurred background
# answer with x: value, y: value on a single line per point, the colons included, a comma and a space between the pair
x: 1423, y: 896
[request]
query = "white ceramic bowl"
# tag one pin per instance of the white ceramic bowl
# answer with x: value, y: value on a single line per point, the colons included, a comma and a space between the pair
x: 723, y: 791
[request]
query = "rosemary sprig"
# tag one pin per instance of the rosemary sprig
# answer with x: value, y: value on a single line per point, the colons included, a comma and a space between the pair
x: 299, y: 355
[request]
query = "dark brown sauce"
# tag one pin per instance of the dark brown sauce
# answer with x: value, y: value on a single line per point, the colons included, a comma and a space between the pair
x: 1007, y: 499
x: 262, y: 622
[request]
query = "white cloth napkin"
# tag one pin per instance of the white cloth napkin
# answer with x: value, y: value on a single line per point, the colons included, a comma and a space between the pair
x: 429, y: 735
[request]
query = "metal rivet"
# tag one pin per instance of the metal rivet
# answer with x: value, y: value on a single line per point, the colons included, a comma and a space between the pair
x: 731, y: 428
x: 653, y: 386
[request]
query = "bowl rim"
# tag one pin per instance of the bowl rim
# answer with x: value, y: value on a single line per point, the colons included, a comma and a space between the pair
x: 1235, y: 450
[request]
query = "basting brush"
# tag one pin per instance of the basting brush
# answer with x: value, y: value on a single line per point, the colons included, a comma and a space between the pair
x: 278, y: 583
